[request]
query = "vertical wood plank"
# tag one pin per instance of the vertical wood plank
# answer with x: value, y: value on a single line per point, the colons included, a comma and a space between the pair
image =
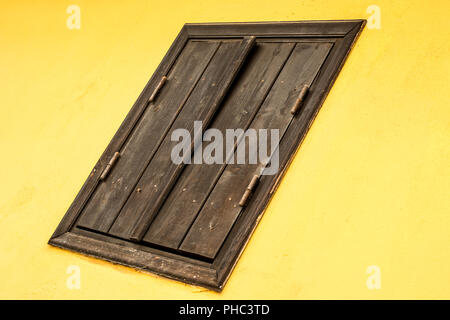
x: 170, y: 263
x: 110, y: 195
x: 219, y: 212
x: 161, y: 174
x: 238, y: 110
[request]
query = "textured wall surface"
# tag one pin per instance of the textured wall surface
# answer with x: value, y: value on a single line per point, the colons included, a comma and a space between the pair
x: 369, y: 186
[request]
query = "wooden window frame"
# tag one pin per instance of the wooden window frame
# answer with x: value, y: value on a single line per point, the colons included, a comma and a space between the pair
x: 213, y: 275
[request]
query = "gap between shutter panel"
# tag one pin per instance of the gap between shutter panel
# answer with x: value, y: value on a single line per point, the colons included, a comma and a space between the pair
x: 218, y: 215
x: 202, y: 218
x: 235, y: 65
x: 160, y: 174
x: 108, y: 198
x: 238, y: 110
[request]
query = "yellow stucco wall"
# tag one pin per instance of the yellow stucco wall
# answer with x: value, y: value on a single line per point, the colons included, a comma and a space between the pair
x: 369, y: 186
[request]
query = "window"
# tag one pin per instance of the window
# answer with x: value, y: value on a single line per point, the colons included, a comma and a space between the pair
x: 158, y: 199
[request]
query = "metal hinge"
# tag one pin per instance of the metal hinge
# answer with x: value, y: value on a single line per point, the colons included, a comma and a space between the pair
x: 301, y: 97
x: 109, y: 166
x: 249, y: 191
x: 158, y: 87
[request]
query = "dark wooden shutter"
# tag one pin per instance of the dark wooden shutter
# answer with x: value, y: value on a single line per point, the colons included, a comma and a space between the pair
x: 191, y: 221
x: 217, y: 216
x: 195, y: 87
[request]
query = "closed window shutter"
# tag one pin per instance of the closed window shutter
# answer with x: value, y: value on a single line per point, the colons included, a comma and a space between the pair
x: 193, y: 91
x: 196, y: 218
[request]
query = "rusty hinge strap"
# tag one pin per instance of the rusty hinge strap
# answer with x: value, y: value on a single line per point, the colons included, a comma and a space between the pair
x: 248, y: 192
x: 301, y: 97
x: 109, y: 165
x: 158, y: 87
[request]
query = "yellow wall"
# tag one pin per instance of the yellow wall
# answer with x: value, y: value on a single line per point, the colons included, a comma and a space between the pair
x: 369, y: 186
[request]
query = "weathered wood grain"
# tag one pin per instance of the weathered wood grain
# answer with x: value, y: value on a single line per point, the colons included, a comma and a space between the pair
x: 196, y: 266
x: 242, y: 230
x: 111, y: 194
x: 238, y: 110
x: 222, y: 208
x: 121, y: 136
x: 161, y: 173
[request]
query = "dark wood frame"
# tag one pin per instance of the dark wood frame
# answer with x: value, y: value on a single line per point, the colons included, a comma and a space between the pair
x: 213, y: 275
